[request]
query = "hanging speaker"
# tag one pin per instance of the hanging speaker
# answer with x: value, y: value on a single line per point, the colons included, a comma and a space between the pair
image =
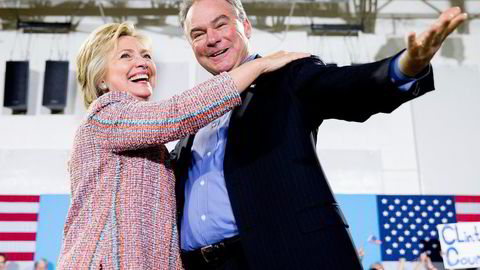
x: 55, y: 85
x: 16, y: 85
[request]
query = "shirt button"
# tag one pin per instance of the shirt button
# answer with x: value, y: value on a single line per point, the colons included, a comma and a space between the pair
x: 214, y: 125
x: 202, y: 183
x: 203, y: 217
x: 209, y: 153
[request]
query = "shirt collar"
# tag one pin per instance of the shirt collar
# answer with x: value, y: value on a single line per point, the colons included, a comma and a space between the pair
x: 250, y: 58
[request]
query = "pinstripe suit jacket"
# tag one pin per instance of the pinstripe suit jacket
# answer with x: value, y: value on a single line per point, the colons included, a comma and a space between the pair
x: 285, y: 210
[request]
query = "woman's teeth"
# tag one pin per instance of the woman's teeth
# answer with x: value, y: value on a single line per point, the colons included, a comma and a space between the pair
x: 139, y: 77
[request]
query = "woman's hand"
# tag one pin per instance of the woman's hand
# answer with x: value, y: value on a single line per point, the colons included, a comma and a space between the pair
x: 279, y: 59
x: 246, y: 73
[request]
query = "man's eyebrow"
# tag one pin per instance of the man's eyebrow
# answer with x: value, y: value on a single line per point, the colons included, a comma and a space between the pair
x: 214, y: 21
x: 223, y: 16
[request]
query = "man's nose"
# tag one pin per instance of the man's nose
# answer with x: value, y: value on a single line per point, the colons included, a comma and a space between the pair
x: 212, y: 37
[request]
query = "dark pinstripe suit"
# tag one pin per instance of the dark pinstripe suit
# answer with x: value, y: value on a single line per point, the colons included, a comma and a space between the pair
x: 285, y: 211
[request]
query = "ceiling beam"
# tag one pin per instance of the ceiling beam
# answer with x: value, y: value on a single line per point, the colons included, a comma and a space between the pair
x: 252, y: 9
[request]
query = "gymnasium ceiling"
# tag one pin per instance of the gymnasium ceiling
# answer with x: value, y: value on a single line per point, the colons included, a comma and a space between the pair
x: 272, y: 15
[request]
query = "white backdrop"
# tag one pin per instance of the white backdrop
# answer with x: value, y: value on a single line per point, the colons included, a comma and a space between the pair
x: 429, y: 146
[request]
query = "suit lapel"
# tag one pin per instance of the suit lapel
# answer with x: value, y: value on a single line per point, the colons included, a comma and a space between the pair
x: 183, y: 153
x: 246, y: 98
x: 182, y: 158
x: 233, y: 133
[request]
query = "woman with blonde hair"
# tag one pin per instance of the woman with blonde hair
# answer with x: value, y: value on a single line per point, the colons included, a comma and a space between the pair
x: 122, y: 213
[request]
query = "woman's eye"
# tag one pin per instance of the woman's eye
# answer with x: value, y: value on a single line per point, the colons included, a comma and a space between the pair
x: 124, y: 55
x: 148, y: 56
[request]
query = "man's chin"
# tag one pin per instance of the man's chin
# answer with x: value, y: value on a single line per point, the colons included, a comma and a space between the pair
x: 217, y: 69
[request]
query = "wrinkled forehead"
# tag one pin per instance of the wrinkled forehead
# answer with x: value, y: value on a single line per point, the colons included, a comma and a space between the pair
x: 207, y: 11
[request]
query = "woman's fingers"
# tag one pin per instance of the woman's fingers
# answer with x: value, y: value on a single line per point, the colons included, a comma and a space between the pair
x: 281, y: 58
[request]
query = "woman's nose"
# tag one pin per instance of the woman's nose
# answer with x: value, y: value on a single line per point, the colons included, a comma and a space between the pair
x: 141, y: 62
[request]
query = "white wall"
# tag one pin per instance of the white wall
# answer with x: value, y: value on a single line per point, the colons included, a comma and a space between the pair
x: 428, y: 146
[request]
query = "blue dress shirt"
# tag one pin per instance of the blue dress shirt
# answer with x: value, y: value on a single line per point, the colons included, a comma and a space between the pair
x: 207, y: 214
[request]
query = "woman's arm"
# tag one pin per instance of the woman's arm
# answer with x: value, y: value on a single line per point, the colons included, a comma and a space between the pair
x: 121, y: 122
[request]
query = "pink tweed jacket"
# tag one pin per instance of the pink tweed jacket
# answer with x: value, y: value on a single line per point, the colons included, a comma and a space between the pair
x: 122, y: 213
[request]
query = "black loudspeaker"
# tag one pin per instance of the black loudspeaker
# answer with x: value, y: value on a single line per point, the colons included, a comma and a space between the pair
x: 16, y: 85
x: 55, y: 85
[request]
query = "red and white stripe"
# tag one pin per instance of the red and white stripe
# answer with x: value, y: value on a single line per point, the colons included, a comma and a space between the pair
x: 467, y: 208
x: 18, y: 226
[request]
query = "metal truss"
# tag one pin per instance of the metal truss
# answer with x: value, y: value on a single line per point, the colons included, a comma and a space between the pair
x: 270, y: 15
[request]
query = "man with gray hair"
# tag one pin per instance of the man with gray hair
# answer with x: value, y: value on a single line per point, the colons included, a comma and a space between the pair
x: 251, y: 193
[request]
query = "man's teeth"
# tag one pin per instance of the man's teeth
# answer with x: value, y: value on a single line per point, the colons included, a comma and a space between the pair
x: 138, y: 77
x: 218, y: 53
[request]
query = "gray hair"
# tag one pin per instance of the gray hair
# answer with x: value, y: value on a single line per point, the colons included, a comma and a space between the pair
x: 187, y: 4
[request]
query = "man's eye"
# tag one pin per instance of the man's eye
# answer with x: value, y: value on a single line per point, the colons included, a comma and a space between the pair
x: 221, y: 24
x: 197, y: 35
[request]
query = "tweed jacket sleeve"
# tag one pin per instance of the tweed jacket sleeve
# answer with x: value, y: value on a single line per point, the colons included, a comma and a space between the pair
x: 122, y: 122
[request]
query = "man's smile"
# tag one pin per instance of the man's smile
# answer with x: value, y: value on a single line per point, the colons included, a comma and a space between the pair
x: 219, y: 53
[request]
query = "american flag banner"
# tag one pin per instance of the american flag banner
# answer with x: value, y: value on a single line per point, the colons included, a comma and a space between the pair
x: 386, y: 227
x: 18, y: 226
x: 408, y: 223
x: 467, y: 208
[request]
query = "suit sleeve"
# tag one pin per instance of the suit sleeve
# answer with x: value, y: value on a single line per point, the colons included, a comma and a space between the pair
x: 125, y: 123
x: 352, y: 93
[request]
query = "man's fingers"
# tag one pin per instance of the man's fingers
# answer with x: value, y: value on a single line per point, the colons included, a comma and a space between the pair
x: 448, y: 26
x: 450, y: 13
x: 437, y: 33
x: 431, y: 36
x: 451, y: 19
x: 411, y: 38
x: 442, y: 30
x: 439, y: 30
x: 448, y: 21
x: 455, y: 22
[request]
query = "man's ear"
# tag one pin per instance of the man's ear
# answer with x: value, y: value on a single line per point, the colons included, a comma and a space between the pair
x: 247, y: 27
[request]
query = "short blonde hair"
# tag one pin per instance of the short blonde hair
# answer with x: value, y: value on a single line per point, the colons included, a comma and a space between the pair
x: 92, y: 57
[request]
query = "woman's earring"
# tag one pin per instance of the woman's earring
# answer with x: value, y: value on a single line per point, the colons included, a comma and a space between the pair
x: 103, y: 86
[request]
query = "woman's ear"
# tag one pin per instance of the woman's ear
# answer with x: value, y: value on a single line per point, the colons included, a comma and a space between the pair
x: 103, y: 86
